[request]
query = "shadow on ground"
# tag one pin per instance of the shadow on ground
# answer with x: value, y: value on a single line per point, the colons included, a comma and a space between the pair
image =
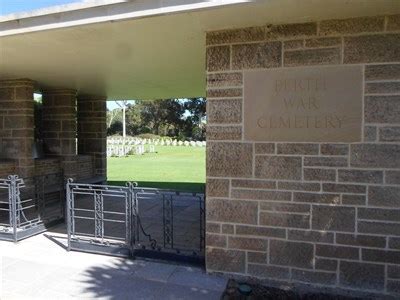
x: 139, y: 279
x: 178, y: 186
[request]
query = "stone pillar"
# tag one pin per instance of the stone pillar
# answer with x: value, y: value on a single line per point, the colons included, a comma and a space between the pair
x: 92, y: 131
x: 59, y: 127
x: 17, y: 123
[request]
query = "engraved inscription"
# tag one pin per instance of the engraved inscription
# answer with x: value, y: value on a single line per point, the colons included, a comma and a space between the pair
x: 303, y: 104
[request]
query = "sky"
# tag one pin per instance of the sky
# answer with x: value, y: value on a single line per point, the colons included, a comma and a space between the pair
x: 14, y: 6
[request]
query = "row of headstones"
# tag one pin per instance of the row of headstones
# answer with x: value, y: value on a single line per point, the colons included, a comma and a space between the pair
x: 156, y: 142
x: 120, y: 150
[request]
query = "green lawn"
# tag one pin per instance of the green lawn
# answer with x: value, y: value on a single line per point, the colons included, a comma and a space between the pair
x: 181, y: 168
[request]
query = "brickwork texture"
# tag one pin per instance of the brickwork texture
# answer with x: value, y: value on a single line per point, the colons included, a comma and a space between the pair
x: 16, y: 125
x: 320, y: 214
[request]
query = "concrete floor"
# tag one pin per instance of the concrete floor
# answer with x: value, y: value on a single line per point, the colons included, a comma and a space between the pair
x: 39, y: 267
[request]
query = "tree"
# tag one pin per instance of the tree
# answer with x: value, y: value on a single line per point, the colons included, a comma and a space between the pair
x: 182, y: 118
x: 161, y: 115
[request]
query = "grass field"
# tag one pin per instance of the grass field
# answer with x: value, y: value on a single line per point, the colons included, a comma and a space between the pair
x: 180, y: 168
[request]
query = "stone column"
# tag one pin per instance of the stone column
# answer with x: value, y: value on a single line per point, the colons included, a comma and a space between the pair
x: 17, y: 124
x: 59, y: 127
x: 92, y: 131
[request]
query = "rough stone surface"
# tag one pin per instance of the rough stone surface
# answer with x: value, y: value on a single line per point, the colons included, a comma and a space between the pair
x: 228, y: 228
x: 343, y: 188
x: 276, y: 167
x: 384, y: 196
x: 260, y: 195
x: 360, y: 240
x: 362, y: 275
x: 254, y: 244
x: 216, y: 240
x: 380, y: 214
x: 284, y: 220
x: 260, y: 231
x: 262, y: 55
x: 337, y: 251
x: 389, y: 134
x: 265, y: 148
x: 353, y: 199
x: 290, y: 30
x: 218, y: 58
x: 323, y: 42
x: 285, y: 207
x: 334, y: 149
x: 217, y: 187
x: 221, y: 133
x: 326, y: 264
x: 371, y: 48
x: 229, y: 159
x: 392, y: 177
x: 328, y: 218
x: 293, y: 44
x: 384, y: 256
x: 298, y: 148
x: 224, y: 79
x: 299, y: 186
x: 253, y: 184
x: 378, y: 228
x: 382, y: 88
x: 323, y: 56
x: 314, y: 174
x: 375, y: 156
x: 393, y: 22
x: 382, y: 109
x: 320, y: 161
x: 355, y: 25
x: 310, y: 236
x: 222, y: 210
x: 362, y: 176
x: 250, y: 34
x: 370, y: 133
x: 313, y: 276
x: 227, y: 111
x: 317, y: 198
x: 224, y: 92
x: 225, y: 260
x: 291, y: 254
x: 265, y: 271
x: 382, y: 72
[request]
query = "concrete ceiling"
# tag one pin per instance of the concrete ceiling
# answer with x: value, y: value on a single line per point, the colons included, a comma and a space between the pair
x: 143, y: 54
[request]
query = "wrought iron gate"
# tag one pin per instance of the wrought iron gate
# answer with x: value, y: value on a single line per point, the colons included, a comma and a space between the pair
x: 133, y: 221
x: 28, y: 206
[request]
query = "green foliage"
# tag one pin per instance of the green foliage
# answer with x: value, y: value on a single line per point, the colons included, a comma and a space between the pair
x: 171, y: 117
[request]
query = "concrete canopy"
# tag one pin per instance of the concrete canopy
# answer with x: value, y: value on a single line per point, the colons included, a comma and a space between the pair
x: 143, y: 49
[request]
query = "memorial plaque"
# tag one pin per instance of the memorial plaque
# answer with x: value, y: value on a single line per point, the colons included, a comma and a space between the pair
x: 305, y: 104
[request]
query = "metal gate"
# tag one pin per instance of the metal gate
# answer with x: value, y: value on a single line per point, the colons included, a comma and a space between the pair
x: 29, y: 206
x: 133, y: 221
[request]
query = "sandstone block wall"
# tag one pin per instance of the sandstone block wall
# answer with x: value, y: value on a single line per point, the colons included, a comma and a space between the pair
x: 92, y: 131
x: 16, y: 124
x: 325, y: 214
x: 59, y: 127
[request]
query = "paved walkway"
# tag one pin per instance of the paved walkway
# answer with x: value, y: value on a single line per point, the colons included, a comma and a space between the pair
x: 38, y: 267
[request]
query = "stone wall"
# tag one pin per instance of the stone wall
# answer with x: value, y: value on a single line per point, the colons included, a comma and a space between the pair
x: 92, y: 131
x: 46, y: 166
x: 306, y: 213
x: 59, y: 119
x: 85, y: 167
x: 16, y: 124
x: 7, y: 167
